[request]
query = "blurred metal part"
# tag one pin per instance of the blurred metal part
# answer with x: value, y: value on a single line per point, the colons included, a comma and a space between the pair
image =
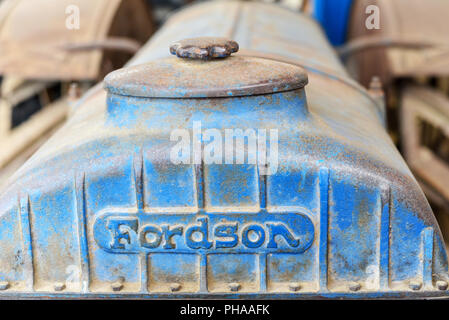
x: 367, y: 43
x: 37, y: 40
x: 119, y: 44
x: 376, y: 91
x: 425, y: 138
x: 411, y: 40
x: 40, y: 51
x: 28, y: 110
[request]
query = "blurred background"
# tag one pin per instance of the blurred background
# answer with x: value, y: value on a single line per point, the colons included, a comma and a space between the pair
x: 390, y: 47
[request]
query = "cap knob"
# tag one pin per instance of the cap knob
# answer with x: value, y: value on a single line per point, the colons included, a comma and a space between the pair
x: 204, y: 48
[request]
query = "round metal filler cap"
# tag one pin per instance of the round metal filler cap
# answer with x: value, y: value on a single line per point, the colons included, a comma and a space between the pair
x: 204, y: 68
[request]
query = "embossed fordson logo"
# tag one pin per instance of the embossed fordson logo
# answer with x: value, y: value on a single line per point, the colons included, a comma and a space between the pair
x: 250, y: 232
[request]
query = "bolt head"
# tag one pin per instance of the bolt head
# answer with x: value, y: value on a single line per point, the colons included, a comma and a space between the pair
x: 117, y: 286
x: 355, y: 286
x: 59, y: 286
x: 442, y: 285
x: 234, y: 286
x: 4, y: 285
x: 294, y: 286
x: 375, y: 83
x: 415, y: 285
x: 74, y: 92
x: 175, y: 287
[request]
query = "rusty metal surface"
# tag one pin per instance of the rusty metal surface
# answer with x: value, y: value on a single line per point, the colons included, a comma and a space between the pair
x: 36, y: 43
x: 204, y: 48
x: 343, y: 217
x: 252, y: 29
x: 18, y: 160
x: 191, y: 78
x: 412, y: 40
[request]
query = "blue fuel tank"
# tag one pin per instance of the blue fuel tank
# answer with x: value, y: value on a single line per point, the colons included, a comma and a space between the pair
x: 209, y: 167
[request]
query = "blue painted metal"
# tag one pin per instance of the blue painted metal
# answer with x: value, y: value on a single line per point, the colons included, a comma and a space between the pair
x: 333, y: 16
x: 102, y: 211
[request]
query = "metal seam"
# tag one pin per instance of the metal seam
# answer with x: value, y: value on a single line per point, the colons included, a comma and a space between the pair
x: 384, y: 242
x: 80, y: 195
x: 27, y: 238
x: 324, y: 228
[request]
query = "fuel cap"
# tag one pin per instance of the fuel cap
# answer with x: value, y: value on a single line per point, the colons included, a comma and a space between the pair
x: 205, y: 68
x: 204, y: 48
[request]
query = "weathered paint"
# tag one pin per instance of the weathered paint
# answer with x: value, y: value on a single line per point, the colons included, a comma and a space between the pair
x: 188, y: 78
x: 342, y: 217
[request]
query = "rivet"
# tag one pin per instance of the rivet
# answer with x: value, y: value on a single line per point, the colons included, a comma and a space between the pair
x: 234, y: 286
x: 415, y: 285
x: 175, y: 287
x: 294, y: 286
x: 4, y: 285
x: 442, y: 285
x: 355, y: 286
x: 59, y: 286
x: 117, y: 286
